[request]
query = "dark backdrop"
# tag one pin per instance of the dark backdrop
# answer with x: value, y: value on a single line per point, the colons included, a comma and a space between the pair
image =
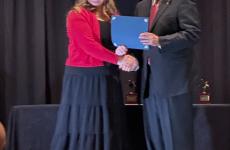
x: 214, y: 48
x: 33, y: 53
x: 33, y: 48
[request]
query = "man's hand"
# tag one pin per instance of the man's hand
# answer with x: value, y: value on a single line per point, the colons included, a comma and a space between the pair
x: 128, y: 63
x: 150, y: 39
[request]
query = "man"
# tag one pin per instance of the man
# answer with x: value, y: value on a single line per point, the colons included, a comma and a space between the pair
x: 173, y: 31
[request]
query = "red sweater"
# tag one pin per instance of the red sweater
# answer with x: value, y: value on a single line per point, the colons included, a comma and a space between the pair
x: 85, y: 48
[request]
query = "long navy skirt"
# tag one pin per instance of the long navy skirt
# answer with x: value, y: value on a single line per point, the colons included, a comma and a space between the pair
x: 91, y: 113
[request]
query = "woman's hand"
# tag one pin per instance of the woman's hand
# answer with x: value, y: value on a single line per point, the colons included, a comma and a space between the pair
x: 121, y: 50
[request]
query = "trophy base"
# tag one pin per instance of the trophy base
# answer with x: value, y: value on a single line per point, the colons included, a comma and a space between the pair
x: 131, y: 99
x: 204, y: 99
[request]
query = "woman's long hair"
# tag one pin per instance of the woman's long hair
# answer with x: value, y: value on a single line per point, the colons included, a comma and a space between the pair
x: 108, y: 7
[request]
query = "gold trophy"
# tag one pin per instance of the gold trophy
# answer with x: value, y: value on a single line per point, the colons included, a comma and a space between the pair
x: 132, y: 96
x: 204, y: 95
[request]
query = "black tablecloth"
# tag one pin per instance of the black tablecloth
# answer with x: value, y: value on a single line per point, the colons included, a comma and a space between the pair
x: 31, y: 127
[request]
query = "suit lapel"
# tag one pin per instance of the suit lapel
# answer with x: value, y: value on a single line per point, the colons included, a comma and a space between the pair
x: 162, y: 7
x: 147, y: 8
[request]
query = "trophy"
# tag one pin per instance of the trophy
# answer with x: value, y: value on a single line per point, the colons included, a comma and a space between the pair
x: 132, y: 96
x: 204, y: 95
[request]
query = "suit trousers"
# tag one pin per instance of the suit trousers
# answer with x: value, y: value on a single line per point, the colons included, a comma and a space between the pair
x: 168, y: 122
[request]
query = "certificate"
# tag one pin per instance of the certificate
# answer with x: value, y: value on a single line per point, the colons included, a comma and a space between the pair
x: 125, y: 30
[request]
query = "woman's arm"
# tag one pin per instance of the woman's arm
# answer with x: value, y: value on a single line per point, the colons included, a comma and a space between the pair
x: 82, y: 34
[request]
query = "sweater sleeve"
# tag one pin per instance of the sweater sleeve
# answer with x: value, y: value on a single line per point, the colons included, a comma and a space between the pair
x: 82, y: 34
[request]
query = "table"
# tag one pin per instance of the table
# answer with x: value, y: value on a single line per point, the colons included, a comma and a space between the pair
x: 31, y: 127
x: 212, y: 126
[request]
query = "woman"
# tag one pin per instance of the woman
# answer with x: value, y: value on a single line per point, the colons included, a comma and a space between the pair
x: 91, y: 114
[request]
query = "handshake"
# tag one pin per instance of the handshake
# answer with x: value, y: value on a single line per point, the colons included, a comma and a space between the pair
x: 126, y: 62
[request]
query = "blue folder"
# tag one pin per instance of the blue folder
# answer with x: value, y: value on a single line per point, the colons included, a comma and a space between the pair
x: 125, y: 30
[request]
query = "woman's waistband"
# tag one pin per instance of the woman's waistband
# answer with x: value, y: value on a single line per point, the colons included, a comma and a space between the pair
x: 99, y: 71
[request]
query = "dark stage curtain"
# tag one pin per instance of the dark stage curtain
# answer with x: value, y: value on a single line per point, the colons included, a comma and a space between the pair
x: 214, y: 48
x: 33, y: 49
x: 2, y: 103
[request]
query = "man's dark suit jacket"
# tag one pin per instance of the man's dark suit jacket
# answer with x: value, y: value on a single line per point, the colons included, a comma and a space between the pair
x: 178, y: 28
